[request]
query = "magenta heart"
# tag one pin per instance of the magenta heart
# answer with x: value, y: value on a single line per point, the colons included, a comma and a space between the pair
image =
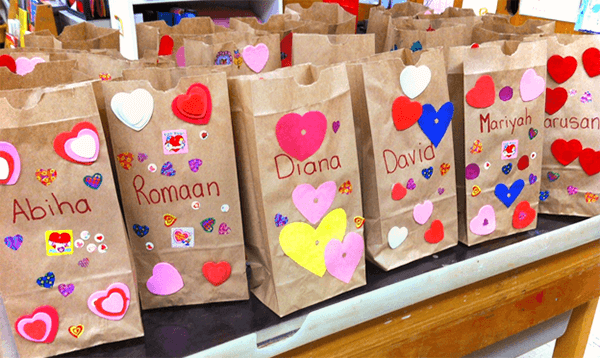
x: 335, y: 126
x: 224, y: 229
x: 66, y: 290
x: 440, y: 191
x: 195, y: 164
x: 342, y: 258
x: 411, y: 184
x: 142, y: 157
x: 314, y: 203
x: 572, y: 190
x: 301, y: 136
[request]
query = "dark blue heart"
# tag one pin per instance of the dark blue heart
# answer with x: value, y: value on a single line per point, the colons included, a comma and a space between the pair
x: 140, y: 231
x: 507, y: 168
x: 544, y: 195
x: 427, y: 173
x: 508, y: 196
x: 435, y: 124
x: 46, y: 281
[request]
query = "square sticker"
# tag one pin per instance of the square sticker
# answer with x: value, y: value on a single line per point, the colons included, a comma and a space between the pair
x: 510, y: 149
x: 59, y: 242
x: 175, y: 141
x: 182, y: 237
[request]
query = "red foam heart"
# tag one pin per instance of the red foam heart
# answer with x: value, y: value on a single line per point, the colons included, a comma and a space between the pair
x: 195, y: 106
x: 555, y: 99
x: 398, y: 191
x: 36, y: 330
x: 561, y: 69
x: 166, y: 46
x: 436, y: 233
x: 301, y: 136
x: 98, y: 303
x: 523, y: 162
x: 216, y: 273
x: 405, y: 113
x: 523, y: 215
x: 483, y: 94
x: 590, y: 161
x: 591, y: 61
x: 475, y: 45
x: 566, y: 152
x: 8, y: 62
x: 286, y: 49
x: 11, y: 166
x: 62, y: 138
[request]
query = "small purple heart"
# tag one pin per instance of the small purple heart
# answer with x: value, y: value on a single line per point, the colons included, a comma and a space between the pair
x: 485, y: 222
x: 411, y: 184
x: 142, y: 157
x: 506, y: 93
x: 13, y: 242
x: 336, y: 126
x: 532, y: 179
x: 66, y: 290
x: 195, y: 164
x: 572, y: 190
x: 440, y: 191
x: 168, y: 170
x: 472, y: 171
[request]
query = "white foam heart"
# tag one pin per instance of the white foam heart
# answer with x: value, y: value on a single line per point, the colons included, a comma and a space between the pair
x: 4, y: 169
x: 133, y: 109
x: 84, y: 146
x: 396, y: 236
x: 414, y: 80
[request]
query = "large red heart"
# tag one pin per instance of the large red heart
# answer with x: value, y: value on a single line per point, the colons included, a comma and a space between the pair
x: 8, y: 62
x: 555, y: 99
x: 590, y: 161
x: 398, y: 191
x: 483, y: 94
x: 561, y: 69
x: 405, y: 113
x: 301, y: 136
x: 436, y: 233
x: 523, y: 215
x: 591, y: 61
x: 11, y: 166
x: 62, y: 138
x: 99, y: 301
x: 566, y: 152
x: 195, y: 106
x: 166, y: 46
x: 42, y: 322
x: 216, y: 273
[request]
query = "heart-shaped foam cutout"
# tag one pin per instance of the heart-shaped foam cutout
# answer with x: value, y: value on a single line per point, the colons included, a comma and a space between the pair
x: 436, y: 233
x: 561, y: 69
x: 8, y: 62
x: 435, y: 124
x: 301, y: 136
x: 523, y: 216
x: 216, y: 273
x: 591, y: 61
x: 195, y: 106
x: 398, y: 191
x: 405, y: 113
x: 306, y: 246
x: 111, y: 304
x: 422, y: 212
x: 342, y: 258
x: 165, y: 280
x: 414, y: 80
x: 485, y: 221
x: 133, y: 109
x: 508, y: 196
x: 256, y: 57
x: 25, y: 65
x: 81, y: 145
x: 555, y: 99
x: 523, y: 162
x: 40, y: 327
x: 566, y: 152
x: 483, y: 94
x: 590, y: 161
x: 165, y: 47
x: 10, y: 164
x: 314, y: 203
x: 532, y: 86
x: 396, y: 236
x: 180, y: 57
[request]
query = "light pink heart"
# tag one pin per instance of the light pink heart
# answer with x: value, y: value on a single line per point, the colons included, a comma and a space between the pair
x: 111, y: 304
x: 10, y: 149
x: 256, y: 57
x: 422, y: 212
x: 342, y: 258
x: 485, y: 222
x: 314, y: 203
x: 532, y: 85
x: 301, y: 136
x: 180, y: 57
x: 40, y: 316
x: 85, y: 147
x: 165, y: 280
x: 25, y: 65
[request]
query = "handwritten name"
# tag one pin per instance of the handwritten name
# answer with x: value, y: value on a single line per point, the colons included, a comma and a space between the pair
x: 393, y: 161
x: 286, y: 167
x: 38, y: 212
x: 486, y: 124
x: 572, y: 123
x: 171, y: 193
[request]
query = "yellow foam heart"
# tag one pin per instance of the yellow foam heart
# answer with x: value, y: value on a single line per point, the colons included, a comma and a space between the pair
x: 306, y: 246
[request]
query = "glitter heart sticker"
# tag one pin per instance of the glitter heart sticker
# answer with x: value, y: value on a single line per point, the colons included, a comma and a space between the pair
x: 410, y: 185
x: 195, y: 165
x: 167, y: 169
x: 427, y: 172
x: 572, y: 190
x: 590, y: 197
x: 477, y: 147
x: 142, y: 157
x: 507, y: 168
x: 444, y: 168
x: 346, y: 188
x: 280, y: 220
x: 553, y: 176
x: 544, y: 195
x: 224, y: 229
x: 532, y: 179
x: 208, y: 224
x: 13, y: 242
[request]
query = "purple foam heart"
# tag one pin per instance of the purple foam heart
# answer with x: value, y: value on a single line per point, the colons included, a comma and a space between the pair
x: 411, y: 184
x: 335, y: 126
x: 506, y: 93
x: 195, y: 164
x: 13, y: 242
x: 66, y: 290
x: 472, y: 171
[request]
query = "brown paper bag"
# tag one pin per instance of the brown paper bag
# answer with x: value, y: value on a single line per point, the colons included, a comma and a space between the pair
x: 83, y: 36
x: 167, y: 77
x: 287, y: 182
x: 329, y: 49
x: 494, y: 28
x: 379, y: 18
x: 503, y: 136
x: 179, y: 190
x: 338, y: 20
x: 63, y: 227
x: 245, y: 52
x: 45, y: 74
x: 571, y: 161
x: 420, y: 34
x: 397, y: 154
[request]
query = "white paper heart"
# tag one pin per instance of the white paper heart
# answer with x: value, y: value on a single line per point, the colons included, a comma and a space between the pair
x: 133, y: 109
x: 396, y: 236
x: 4, y: 169
x: 84, y: 146
x: 414, y: 80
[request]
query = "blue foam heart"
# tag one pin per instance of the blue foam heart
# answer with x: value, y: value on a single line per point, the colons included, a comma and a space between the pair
x: 436, y: 131
x: 140, y: 231
x: 508, y: 196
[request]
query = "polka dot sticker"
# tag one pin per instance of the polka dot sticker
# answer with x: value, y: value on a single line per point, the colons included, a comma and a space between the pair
x: 533, y: 155
x: 102, y: 248
x: 486, y: 165
x: 91, y: 248
x: 195, y: 205
x: 203, y: 135
x: 152, y: 168
x: 79, y: 243
x: 84, y: 235
x: 99, y: 238
x: 149, y: 246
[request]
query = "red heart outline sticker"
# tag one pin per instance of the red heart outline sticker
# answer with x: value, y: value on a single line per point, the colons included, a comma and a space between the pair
x: 8, y: 62
x: 436, y: 233
x: 590, y: 161
x: 99, y: 301
x: 106, y: 305
x: 523, y: 215
x: 166, y: 46
x: 11, y: 166
x: 483, y: 94
x: 62, y: 138
x: 561, y: 69
x: 405, y: 112
x: 591, y: 61
x: 195, y: 106
x: 216, y: 273
x: 555, y: 99
x: 40, y: 326
x: 566, y: 152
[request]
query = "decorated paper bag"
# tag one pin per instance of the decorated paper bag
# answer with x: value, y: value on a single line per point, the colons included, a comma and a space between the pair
x: 179, y: 191
x: 494, y: 28
x: 43, y: 74
x: 300, y: 185
x: 83, y: 36
x: 330, y: 49
x: 247, y: 53
x: 167, y: 77
x: 406, y: 155
x: 380, y: 17
x: 338, y: 20
x: 503, y: 139
x: 68, y: 280
x: 419, y: 34
x: 571, y: 161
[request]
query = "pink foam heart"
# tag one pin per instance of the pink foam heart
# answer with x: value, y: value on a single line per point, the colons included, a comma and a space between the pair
x: 40, y: 316
x: 13, y: 176
x: 422, y: 212
x: 180, y: 56
x: 111, y: 304
x: 301, y: 136
x: 532, y: 85
x: 256, y: 57
x: 342, y: 258
x: 485, y: 222
x: 165, y: 280
x: 314, y: 203
x: 25, y: 65
x: 84, y: 148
